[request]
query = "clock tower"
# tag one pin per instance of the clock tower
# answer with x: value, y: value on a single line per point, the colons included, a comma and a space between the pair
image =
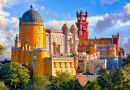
x: 82, y: 24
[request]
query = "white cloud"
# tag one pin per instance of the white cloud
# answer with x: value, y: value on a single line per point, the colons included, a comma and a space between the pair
x: 42, y: 7
x: 3, y: 22
x: 14, y: 21
x: 114, y: 20
x: 107, y: 1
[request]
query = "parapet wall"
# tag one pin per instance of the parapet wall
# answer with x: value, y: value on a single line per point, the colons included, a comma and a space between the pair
x: 83, y: 79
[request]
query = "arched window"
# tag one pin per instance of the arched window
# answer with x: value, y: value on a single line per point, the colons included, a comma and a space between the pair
x: 28, y: 39
x: 38, y: 28
x: 27, y: 28
x: 38, y: 38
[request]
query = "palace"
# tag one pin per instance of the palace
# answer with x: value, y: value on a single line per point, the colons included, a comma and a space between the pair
x: 47, y: 51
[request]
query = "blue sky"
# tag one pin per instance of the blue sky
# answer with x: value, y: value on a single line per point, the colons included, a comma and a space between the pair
x: 105, y: 17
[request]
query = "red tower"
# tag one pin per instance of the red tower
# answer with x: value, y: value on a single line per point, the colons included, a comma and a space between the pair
x: 82, y: 24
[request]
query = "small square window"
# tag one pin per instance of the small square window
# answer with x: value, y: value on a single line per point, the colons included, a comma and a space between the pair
x: 38, y: 28
x: 56, y: 64
x: 26, y: 63
x: 27, y: 28
x: 61, y: 64
x: 66, y: 64
x: 91, y: 43
x: 34, y: 57
x: 32, y: 63
x: 35, y: 65
x: 86, y: 43
x: 28, y: 39
x: 38, y: 38
x: 109, y: 43
x: 97, y: 42
x: 72, y: 64
x: 103, y: 43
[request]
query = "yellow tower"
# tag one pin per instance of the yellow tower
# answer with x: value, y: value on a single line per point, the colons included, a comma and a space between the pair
x: 31, y: 29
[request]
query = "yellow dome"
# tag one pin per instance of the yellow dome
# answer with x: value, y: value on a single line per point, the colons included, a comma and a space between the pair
x: 65, y: 25
x: 73, y: 26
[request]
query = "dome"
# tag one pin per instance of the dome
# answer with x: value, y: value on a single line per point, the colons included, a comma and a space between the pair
x: 73, y: 26
x: 31, y: 16
x: 65, y: 25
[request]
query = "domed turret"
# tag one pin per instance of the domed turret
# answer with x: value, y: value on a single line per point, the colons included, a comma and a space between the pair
x: 31, y: 16
x: 65, y: 25
x: 73, y: 26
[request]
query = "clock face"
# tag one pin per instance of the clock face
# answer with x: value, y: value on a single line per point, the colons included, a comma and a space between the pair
x: 83, y: 18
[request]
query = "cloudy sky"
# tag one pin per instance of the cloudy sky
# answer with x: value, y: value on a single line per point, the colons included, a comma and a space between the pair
x: 105, y: 17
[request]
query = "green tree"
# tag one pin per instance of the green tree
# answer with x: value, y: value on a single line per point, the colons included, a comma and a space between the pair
x: 119, y: 87
x: 118, y: 77
x: 3, y: 86
x: 93, y: 86
x: 1, y: 48
x: 105, y: 79
x: 126, y: 73
x: 60, y: 81
x: 14, y: 74
x: 38, y: 82
x: 127, y: 60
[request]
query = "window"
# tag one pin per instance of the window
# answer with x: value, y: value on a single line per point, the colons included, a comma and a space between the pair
x: 71, y: 71
x: 61, y: 64
x: 80, y: 38
x: 56, y: 64
x: 38, y: 45
x: 32, y: 63
x: 103, y: 43
x: 86, y: 43
x: 72, y: 41
x: 38, y: 38
x: 15, y: 55
x: 91, y: 43
x: 78, y: 18
x: 35, y: 65
x: 55, y: 71
x: 61, y: 71
x: 27, y: 28
x: 72, y: 64
x: 34, y: 57
x: 83, y: 18
x: 52, y: 39
x: 66, y: 64
x: 56, y: 39
x: 109, y: 43
x: 20, y: 28
x: 60, y: 40
x: 97, y: 42
x: 28, y: 38
x: 26, y: 63
x: 113, y: 52
x: 20, y: 38
x: 84, y: 47
x: 38, y: 28
x: 66, y: 71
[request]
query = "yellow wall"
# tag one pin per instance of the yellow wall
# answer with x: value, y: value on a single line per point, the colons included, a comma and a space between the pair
x: 64, y: 68
x: 33, y: 33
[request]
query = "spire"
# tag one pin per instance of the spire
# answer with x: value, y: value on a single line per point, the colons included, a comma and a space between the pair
x: 31, y: 7
x: 16, y: 38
